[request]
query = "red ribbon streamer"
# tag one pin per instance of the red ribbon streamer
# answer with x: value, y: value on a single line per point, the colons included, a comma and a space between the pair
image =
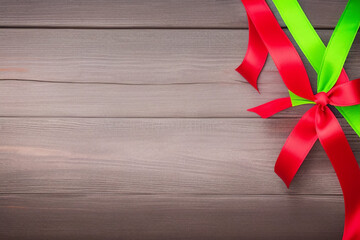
x: 255, y: 57
x: 266, y: 35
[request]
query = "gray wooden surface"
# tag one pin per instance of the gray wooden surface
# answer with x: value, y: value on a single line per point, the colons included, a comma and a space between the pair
x: 148, y: 14
x: 126, y: 120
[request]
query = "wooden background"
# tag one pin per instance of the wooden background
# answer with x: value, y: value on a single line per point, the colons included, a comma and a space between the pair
x: 125, y: 119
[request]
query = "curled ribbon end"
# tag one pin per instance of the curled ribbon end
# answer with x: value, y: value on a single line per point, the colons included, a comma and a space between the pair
x: 284, y: 178
x: 269, y: 109
x: 258, y: 113
x: 256, y: 88
x: 249, y: 77
x: 287, y: 183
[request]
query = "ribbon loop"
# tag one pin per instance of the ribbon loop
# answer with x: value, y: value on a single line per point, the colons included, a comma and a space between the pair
x: 346, y: 94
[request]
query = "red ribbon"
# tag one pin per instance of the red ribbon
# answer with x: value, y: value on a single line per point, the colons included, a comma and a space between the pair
x: 266, y: 35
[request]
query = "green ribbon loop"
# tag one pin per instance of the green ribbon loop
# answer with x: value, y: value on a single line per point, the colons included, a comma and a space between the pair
x: 327, y: 61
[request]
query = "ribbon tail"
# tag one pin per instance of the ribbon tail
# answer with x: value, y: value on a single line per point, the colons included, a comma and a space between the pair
x: 292, y: 156
x: 336, y: 146
x: 268, y: 109
x: 255, y: 57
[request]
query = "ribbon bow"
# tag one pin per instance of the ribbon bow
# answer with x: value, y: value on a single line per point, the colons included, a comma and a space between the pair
x: 320, y: 122
x: 265, y: 35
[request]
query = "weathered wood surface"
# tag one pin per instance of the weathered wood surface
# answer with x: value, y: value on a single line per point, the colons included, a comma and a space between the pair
x: 136, y: 56
x: 140, y: 130
x: 145, y: 156
x: 135, y: 73
x: 110, y: 216
x: 150, y: 13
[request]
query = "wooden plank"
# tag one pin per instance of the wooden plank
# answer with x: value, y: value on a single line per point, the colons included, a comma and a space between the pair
x: 107, y: 100
x: 152, y: 13
x: 134, y: 56
x: 147, y: 156
x: 104, y: 216
x: 183, y: 73
x: 123, y: 56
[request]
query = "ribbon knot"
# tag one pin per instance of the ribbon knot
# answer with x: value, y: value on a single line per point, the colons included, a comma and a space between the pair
x: 322, y: 99
x: 319, y: 122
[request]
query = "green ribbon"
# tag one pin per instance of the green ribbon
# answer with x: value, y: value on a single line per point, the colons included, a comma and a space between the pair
x: 327, y: 61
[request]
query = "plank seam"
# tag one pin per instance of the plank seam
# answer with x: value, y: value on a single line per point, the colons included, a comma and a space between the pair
x: 136, y: 28
x: 236, y: 82
x: 174, y: 194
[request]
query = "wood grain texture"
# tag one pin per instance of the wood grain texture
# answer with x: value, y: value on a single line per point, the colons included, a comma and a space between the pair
x: 140, y: 130
x: 141, y: 73
x: 135, y: 56
x: 99, y: 216
x: 147, y: 156
x: 106, y: 100
x: 151, y: 13
x: 123, y: 56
